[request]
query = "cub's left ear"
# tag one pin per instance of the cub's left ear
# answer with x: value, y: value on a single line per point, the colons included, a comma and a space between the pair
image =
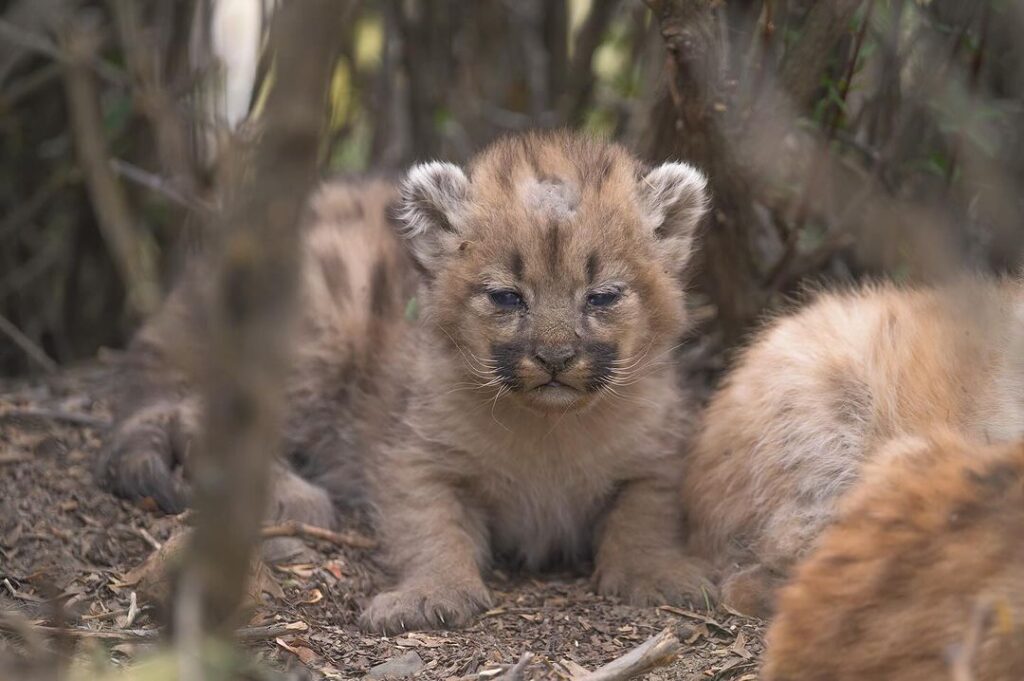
x: 431, y: 211
x: 674, y: 197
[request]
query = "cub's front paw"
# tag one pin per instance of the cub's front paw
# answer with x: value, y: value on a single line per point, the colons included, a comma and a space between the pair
x: 421, y: 605
x: 140, y: 459
x: 670, y: 578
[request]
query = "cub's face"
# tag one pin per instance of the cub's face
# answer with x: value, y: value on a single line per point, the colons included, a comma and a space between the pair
x: 552, y: 271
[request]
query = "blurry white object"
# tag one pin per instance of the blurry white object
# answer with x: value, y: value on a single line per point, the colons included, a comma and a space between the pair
x: 227, y: 43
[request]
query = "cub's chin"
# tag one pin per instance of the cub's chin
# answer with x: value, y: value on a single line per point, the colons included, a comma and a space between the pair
x: 556, y: 397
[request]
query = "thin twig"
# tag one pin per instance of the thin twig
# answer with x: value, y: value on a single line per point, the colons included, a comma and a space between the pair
x: 657, y: 651
x: 29, y: 40
x: 158, y: 184
x: 55, y: 415
x: 517, y: 671
x: 296, y: 529
x: 243, y: 634
x: 33, y: 351
x: 148, y: 538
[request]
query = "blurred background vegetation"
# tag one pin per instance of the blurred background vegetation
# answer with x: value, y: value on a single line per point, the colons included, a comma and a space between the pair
x: 843, y: 139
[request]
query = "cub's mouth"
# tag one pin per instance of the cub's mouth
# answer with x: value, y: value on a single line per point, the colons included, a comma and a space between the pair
x: 554, y: 394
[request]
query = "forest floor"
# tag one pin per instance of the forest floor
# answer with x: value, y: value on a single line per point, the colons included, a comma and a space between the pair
x: 67, y: 550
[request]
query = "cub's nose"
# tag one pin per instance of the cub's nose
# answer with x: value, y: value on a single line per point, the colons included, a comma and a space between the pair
x: 555, y: 358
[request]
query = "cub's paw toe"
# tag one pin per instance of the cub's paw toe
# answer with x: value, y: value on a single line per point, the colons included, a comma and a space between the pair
x: 411, y: 607
x: 668, y: 581
x: 136, y: 470
x: 143, y: 456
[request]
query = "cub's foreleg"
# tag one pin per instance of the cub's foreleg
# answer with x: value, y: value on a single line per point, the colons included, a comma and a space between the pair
x: 640, y: 553
x: 437, y: 543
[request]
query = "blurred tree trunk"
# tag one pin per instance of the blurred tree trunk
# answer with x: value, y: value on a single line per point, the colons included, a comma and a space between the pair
x: 714, y: 115
x: 251, y: 307
x: 693, y: 121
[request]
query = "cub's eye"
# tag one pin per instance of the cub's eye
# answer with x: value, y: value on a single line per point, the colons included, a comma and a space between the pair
x: 603, y: 298
x: 506, y: 299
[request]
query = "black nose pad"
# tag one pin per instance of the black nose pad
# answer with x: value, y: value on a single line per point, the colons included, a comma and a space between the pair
x: 555, y: 358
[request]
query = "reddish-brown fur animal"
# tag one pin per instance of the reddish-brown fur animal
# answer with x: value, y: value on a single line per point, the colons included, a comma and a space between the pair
x: 814, y: 396
x: 533, y: 414
x: 922, y: 572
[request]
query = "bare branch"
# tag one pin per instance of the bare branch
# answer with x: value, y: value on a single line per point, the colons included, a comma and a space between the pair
x: 296, y: 529
x: 134, y: 261
x: 806, y: 60
x: 581, y: 74
x: 33, y: 351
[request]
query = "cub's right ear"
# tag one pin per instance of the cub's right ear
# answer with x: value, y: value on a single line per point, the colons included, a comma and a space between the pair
x: 431, y: 210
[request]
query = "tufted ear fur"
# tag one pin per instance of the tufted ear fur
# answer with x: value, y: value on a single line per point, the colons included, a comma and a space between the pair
x: 674, y: 197
x: 431, y: 209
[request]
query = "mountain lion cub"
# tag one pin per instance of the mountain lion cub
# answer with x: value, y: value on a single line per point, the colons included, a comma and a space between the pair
x: 531, y: 415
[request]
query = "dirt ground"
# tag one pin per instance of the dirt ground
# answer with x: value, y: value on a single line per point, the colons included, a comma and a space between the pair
x: 66, y: 548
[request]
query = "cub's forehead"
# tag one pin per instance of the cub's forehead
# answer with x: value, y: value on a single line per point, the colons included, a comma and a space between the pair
x: 549, y: 198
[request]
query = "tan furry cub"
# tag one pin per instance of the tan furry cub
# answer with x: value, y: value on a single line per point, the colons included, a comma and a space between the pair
x: 922, y: 576
x: 534, y: 418
x: 815, y: 395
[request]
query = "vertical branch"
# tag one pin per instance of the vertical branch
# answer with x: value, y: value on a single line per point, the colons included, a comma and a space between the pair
x: 806, y: 60
x: 157, y: 103
x: 134, y: 261
x: 581, y: 75
x: 251, y: 306
x: 696, y: 122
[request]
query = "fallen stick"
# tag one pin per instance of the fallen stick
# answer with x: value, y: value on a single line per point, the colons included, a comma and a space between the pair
x: 145, y: 635
x: 297, y: 529
x: 657, y: 651
x: 518, y: 670
x: 55, y: 415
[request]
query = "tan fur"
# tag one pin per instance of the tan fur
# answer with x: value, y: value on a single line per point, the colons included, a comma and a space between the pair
x: 539, y: 432
x: 923, y: 572
x: 484, y: 468
x: 352, y: 317
x: 817, y: 392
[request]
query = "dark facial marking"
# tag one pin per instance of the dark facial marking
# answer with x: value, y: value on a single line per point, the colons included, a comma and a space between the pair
x: 553, y: 245
x: 592, y: 265
x: 380, y: 294
x: 602, y: 356
x: 506, y: 357
x: 531, y: 159
x: 516, y: 266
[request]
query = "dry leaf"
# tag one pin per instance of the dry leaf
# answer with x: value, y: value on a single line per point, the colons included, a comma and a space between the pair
x: 334, y: 567
x: 315, y: 596
x: 739, y: 646
x: 306, y: 655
